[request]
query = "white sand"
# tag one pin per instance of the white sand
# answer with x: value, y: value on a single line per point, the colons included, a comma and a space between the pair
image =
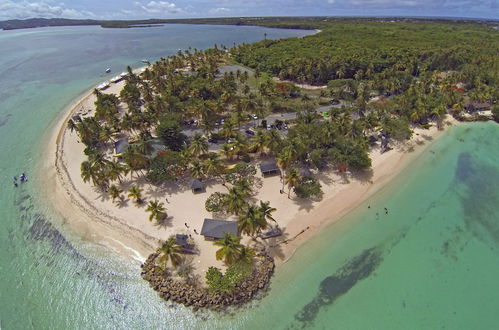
x: 127, y: 229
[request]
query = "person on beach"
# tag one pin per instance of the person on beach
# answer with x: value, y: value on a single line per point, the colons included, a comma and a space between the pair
x: 185, y: 223
x: 195, y: 232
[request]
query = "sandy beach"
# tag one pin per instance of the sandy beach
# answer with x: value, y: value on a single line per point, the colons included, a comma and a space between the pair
x: 126, y: 229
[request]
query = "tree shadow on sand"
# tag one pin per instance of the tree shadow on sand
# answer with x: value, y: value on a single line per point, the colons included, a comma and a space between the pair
x: 274, y: 245
x: 364, y: 177
x: 103, y: 195
x: 306, y: 204
x: 123, y: 202
x: 165, y: 222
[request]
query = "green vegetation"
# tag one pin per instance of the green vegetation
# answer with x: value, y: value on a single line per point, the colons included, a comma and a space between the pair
x: 224, y: 283
x: 308, y: 188
x: 495, y: 112
x: 157, y: 210
x: 193, y: 116
x: 171, y: 252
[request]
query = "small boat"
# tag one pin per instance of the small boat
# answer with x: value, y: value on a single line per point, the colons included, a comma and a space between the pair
x: 146, y: 62
x: 103, y: 86
x: 108, y: 70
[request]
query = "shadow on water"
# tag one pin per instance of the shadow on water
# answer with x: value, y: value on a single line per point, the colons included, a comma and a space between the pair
x: 477, y: 184
x: 39, y: 229
x: 4, y: 119
x: 338, y: 284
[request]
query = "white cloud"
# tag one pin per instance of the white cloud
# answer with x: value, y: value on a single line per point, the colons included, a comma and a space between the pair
x: 28, y: 9
x: 331, y: 1
x: 220, y: 10
x: 159, y: 7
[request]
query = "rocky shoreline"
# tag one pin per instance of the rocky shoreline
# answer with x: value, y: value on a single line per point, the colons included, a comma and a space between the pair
x: 199, y: 297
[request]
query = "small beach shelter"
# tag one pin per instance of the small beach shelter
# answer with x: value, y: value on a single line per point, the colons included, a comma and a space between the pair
x: 273, y: 232
x: 269, y: 168
x: 120, y: 147
x: 305, y: 172
x: 215, y: 229
x: 197, y: 186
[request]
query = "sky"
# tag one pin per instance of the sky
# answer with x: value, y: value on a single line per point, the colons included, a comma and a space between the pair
x: 140, y: 9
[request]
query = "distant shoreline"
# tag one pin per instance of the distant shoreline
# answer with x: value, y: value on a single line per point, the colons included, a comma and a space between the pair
x: 291, y: 22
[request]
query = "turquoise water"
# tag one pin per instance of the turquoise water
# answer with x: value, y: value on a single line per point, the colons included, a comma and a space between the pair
x: 430, y: 263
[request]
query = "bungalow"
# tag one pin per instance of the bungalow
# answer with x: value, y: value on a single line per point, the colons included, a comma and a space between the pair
x: 120, y: 147
x: 474, y: 106
x: 215, y: 229
x: 269, y: 168
x: 197, y: 186
x: 185, y: 243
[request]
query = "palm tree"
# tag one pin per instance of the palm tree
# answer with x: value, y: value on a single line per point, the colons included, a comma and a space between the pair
x: 170, y: 250
x: 199, y: 145
x: 135, y: 193
x: 260, y: 141
x: 273, y: 140
x: 244, y: 187
x: 144, y: 145
x: 90, y: 172
x: 246, y: 255
x: 213, y: 165
x: 267, y: 210
x: 292, y: 178
x: 252, y: 221
x: 157, y: 210
x: 196, y: 169
x: 227, y: 150
x: 284, y: 160
x: 115, y: 192
x: 234, y: 201
x: 228, y: 129
x: 230, y: 248
x: 72, y: 125
x: 115, y: 171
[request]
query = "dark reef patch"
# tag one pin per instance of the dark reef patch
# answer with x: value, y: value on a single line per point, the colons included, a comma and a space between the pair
x: 336, y: 285
x: 4, y: 119
x: 39, y: 229
x: 477, y: 184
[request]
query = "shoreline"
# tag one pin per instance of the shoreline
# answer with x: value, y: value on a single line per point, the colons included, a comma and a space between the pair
x: 78, y: 215
x: 98, y: 222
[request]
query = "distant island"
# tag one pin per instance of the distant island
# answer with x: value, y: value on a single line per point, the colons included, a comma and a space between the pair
x: 224, y: 160
x: 276, y: 22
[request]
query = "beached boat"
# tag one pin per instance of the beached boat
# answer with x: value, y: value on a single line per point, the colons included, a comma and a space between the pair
x: 103, y: 86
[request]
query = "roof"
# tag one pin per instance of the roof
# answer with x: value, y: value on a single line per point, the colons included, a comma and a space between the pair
x: 477, y: 105
x: 181, y: 239
x: 121, y: 146
x: 305, y: 172
x: 218, y: 228
x: 197, y: 185
x: 270, y: 166
x: 273, y: 232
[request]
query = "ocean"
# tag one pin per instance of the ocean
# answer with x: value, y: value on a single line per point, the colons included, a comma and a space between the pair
x: 431, y: 262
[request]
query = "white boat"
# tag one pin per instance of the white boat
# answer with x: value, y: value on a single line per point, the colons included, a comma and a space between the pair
x: 146, y: 62
x: 108, y: 70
